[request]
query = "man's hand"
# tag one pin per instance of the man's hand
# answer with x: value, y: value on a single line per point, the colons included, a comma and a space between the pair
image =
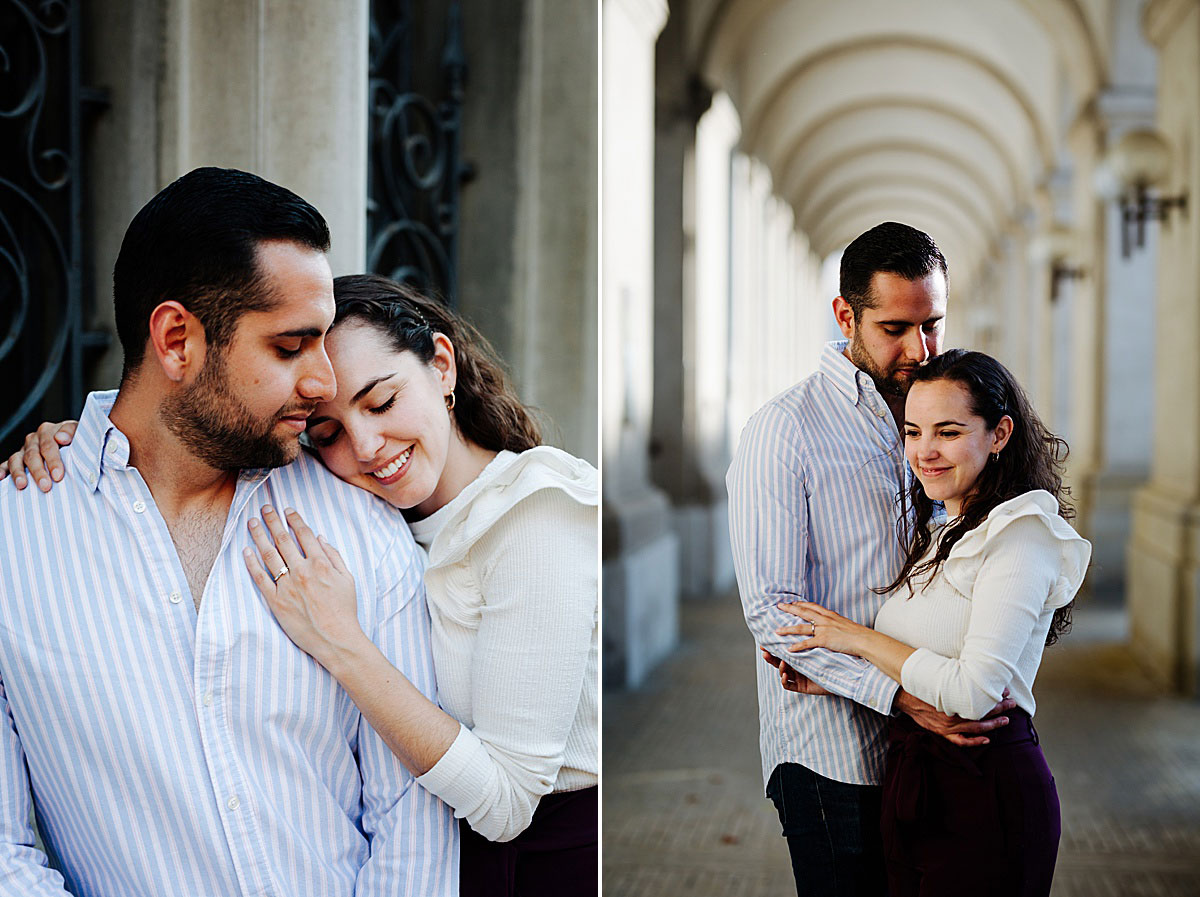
x: 955, y: 729
x: 792, y: 680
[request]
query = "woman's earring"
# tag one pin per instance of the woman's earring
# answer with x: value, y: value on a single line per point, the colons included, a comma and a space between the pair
x: 450, y: 401
x: 995, y: 456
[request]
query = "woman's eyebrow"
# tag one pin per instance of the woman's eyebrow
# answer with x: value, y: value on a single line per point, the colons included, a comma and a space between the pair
x: 371, y: 384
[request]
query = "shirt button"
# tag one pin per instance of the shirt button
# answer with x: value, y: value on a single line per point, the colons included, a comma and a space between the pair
x: 208, y: 703
x: 175, y: 597
x: 139, y: 506
x: 91, y: 478
x: 233, y: 803
x: 879, y: 412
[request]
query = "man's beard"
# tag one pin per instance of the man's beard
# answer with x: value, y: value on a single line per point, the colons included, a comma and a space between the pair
x: 220, y: 430
x: 889, y: 383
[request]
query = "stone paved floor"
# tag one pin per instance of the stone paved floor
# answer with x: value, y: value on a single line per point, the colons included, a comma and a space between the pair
x: 683, y: 805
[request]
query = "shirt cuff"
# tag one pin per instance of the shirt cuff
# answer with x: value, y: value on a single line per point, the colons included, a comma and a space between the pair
x: 461, y: 776
x: 876, y: 690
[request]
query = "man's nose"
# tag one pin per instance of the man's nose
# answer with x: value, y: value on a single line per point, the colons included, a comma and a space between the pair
x: 318, y: 382
x: 917, y: 348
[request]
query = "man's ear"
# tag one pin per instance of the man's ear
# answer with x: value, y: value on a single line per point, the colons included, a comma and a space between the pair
x: 177, y: 340
x: 844, y: 315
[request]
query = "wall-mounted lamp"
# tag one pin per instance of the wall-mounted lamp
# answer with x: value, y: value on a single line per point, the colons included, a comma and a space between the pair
x: 1139, y: 161
x: 1054, y: 247
x: 1059, y: 272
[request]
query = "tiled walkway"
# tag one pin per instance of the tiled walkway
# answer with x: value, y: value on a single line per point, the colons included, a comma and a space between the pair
x: 683, y: 805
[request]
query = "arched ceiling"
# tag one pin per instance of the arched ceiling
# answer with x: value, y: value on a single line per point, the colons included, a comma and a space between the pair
x: 947, y: 114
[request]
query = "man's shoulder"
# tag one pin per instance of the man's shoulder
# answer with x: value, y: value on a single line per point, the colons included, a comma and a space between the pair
x: 794, y: 406
x: 65, y: 494
x: 341, y: 508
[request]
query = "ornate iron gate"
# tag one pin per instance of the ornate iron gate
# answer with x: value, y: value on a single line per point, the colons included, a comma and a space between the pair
x: 413, y: 186
x: 43, y: 106
x: 415, y: 168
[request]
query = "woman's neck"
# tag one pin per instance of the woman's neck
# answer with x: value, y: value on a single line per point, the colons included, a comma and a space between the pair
x: 465, y: 461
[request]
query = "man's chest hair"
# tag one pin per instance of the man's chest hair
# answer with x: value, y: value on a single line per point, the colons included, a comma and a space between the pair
x: 197, y: 538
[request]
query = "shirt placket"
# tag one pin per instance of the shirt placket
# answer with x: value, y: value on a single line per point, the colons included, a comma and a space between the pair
x: 884, y: 424
x: 212, y: 661
x: 215, y: 635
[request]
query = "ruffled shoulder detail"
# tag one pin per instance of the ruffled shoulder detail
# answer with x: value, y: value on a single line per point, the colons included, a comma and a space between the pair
x: 509, y: 479
x: 965, y: 558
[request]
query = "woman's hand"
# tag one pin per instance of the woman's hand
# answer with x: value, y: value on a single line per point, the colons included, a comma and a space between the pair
x: 825, y: 629
x: 40, y: 455
x: 307, y: 587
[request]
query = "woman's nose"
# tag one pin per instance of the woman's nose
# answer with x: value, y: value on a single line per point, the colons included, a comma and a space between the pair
x: 366, y: 443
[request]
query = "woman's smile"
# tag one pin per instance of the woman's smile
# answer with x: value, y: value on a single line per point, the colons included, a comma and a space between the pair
x: 395, y: 468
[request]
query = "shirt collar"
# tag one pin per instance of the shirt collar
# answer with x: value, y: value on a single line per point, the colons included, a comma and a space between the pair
x: 97, y: 441
x: 99, y: 446
x: 850, y: 381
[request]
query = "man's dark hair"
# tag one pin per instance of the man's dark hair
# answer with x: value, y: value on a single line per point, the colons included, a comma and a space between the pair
x: 892, y: 247
x: 196, y: 242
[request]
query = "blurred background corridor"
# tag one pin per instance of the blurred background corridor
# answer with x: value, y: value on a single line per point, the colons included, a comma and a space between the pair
x: 1052, y: 149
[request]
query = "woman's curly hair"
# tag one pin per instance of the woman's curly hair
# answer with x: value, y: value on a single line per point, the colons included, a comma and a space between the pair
x: 1032, y: 459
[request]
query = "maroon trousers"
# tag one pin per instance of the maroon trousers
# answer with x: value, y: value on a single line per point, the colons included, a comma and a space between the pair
x: 981, y: 820
x: 557, y: 856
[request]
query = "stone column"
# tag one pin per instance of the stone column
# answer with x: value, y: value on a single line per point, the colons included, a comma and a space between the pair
x: 123, y: 53
x: 640, y: 549
x: 278, y: 88
x: 529, y: 220
x: 689, y: 442
x: 1040, y: 385
x: 1164, y: 553
x: 1126, y: 320
x: 1085, y: 389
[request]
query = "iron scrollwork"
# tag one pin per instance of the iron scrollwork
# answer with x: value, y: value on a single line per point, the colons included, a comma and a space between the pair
x: 42, y: 339
x: 415, y: 169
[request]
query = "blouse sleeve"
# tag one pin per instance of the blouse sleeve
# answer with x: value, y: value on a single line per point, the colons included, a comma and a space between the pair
x: 536, y: 569
x: 1017, y: 574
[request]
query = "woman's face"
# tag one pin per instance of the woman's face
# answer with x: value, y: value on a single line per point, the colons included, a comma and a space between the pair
x: 387, y: 430
x: 947, y: 445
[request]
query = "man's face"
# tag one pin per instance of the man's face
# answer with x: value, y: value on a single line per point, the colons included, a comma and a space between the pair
x: 901, y: 333
x: 249, y: 403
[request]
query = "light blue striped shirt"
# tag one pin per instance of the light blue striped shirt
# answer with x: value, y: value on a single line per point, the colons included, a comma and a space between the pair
x: 813, y: 511
x: 171, y: 751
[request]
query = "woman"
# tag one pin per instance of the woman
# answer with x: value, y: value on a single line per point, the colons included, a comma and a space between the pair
x: 424, y: 419
x: 977, y: 600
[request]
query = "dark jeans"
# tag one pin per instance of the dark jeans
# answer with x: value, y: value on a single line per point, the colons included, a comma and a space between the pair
x: 557, y: 856
x: 979, y: 820
x: 832, y: 831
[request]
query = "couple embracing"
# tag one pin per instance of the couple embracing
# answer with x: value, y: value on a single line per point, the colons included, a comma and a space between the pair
x: 219, y: 670
x: 900, y: 536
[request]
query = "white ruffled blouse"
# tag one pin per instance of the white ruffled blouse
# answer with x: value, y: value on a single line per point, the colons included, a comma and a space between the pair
x: 979, y: 625
x: 513, y: 596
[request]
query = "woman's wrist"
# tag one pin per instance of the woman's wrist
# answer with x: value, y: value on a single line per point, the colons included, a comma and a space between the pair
x: 344, y: 656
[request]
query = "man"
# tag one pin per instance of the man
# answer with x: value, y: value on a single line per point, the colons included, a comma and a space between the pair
x: 174, y: 738
x: 813, y: 514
